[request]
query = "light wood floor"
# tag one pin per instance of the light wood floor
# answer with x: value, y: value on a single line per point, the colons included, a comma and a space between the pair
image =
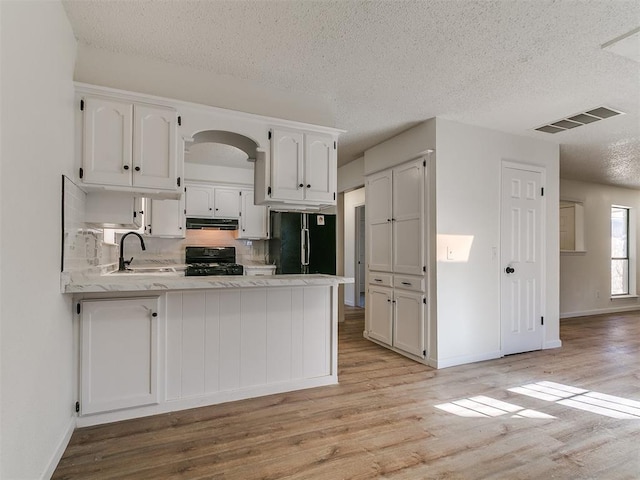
x: 380, y: 421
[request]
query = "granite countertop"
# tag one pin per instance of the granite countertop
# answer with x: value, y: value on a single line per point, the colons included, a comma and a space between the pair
x: 90, y: 282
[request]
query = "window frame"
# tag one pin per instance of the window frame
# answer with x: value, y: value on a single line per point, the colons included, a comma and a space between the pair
x: 627, y: 258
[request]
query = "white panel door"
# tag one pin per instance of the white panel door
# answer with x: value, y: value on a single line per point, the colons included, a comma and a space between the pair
x: 167, y: 218
x: 226, y: 202
x: 408, y: 218
x: 380, y: 314
x: 107, y: 137
x: 379, y: 214
x: 199, y: 201
x: 286, y: 165
x: 119, y: 354
x: 253, y: 218
x: 154, y: 147
x: 319, y: 168
x: 409, y: 320
x: 522, y: 260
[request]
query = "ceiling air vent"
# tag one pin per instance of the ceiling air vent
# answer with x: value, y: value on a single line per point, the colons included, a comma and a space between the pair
x: 578, y: 120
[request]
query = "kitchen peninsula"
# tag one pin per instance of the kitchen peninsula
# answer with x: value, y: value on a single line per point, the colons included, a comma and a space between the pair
x: 154, y: 343
x: 151, y: 342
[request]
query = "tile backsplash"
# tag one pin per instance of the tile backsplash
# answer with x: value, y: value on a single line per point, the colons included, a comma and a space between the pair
x: 84, y: 248
x: 173, y: 249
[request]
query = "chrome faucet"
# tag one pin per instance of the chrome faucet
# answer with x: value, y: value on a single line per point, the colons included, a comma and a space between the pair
x: 122, y: 263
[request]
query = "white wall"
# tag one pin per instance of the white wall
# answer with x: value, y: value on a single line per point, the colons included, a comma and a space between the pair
x: 218, y: 174
x: 144, y: 75
x: 37, y: 378
x: 585, y: 278
x: 468, y: 188
x: 352, y: 200
x: 351, y: 175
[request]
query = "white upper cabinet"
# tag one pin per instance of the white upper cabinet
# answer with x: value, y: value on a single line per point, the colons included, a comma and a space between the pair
x: 199, y: 200
x: 302, y: 170
x: 154, y: 147
x: 408, y: 218
x: 209, y: 201
x: 287, y: 165
x: 166, y: 218
x: 129, y: 146
x: 320, y: 172
x: 379, y: 214
x: 253, y: 218
x: 395, y: 213
x: 107, y: 147
x: 226, y: 202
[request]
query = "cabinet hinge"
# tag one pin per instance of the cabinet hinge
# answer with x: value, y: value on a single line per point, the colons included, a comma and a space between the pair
x: 541, y: 320
x: 424, y: 300
x: 81, y: 173
x: 269, y: 191
x: 335, y: 145
x: 424, y: 268
x: 240, y: 193
x: 179, y: 120
x: 269, y: 134
x: 78, y: 308
x: 239, y: 214
x: 542, y: 192
x: 81, y: 105
x: 77, y: 407
x: 185, y: 211
x: 424, y: 163
x: 134, y: 214
x: 424, y: 353
x: 178, y: 181
x: 334, y: 195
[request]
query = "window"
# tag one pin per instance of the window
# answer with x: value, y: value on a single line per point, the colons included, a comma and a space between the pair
x: 619, y: 251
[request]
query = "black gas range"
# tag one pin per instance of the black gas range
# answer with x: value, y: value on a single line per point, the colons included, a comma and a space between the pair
x: 202, y: 261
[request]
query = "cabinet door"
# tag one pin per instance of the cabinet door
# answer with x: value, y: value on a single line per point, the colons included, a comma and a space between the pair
x: 167, y: 218
x: 320, y: 167
x: 380, y: 314
x: 154, y: 147
x: 408, y: 218
x: 253, y: 218
x: 119, y: 354
x: 199, y: 201
x: 226, y: 202
x: 107, y: 134
x: 408, y: 327
x: 286, y: 165
x: 378, y: 212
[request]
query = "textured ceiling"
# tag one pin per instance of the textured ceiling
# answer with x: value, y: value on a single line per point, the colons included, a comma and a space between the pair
x: 508, y: 65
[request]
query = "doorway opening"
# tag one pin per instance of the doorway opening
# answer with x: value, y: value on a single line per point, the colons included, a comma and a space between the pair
x: 359, y: 249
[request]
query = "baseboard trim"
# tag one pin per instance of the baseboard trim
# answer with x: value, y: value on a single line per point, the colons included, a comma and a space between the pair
x: 552, y: 344
x: 60, y: 448
x: 600, y: 311
x: 464, y: 359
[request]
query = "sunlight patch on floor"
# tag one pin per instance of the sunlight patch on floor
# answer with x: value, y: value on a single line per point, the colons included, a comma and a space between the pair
x: 594, y: 402
x: 483, y: 407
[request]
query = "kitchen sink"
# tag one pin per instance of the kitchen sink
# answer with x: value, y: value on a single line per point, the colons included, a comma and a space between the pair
x: 147, y: 271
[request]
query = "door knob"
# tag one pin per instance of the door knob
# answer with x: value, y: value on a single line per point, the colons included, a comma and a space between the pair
x: 509, y: 269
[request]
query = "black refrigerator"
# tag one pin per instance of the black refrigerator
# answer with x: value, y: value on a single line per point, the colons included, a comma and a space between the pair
x: 303, y: 243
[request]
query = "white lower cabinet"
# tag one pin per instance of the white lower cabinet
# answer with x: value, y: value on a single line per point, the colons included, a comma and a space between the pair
x: 396, y: 317
x: 119, y: 353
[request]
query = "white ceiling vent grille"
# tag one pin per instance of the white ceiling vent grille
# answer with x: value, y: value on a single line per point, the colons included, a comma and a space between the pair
x: 578, y: 120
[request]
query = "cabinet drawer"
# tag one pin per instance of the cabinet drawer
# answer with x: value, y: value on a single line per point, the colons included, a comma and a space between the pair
x: 385, y: 279
x: 407, y: 282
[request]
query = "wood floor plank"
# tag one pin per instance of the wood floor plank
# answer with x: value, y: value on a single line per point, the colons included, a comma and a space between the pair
x: 381, y: 421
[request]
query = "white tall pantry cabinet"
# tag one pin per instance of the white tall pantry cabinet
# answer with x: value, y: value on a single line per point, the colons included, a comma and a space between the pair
x: 396, y: 300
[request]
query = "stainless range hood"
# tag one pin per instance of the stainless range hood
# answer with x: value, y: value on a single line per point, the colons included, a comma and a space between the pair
x: 212, y: 223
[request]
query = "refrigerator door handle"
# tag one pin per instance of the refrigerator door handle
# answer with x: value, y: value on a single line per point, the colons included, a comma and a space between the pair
x: 303, y: 247
x: 308, y: 249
